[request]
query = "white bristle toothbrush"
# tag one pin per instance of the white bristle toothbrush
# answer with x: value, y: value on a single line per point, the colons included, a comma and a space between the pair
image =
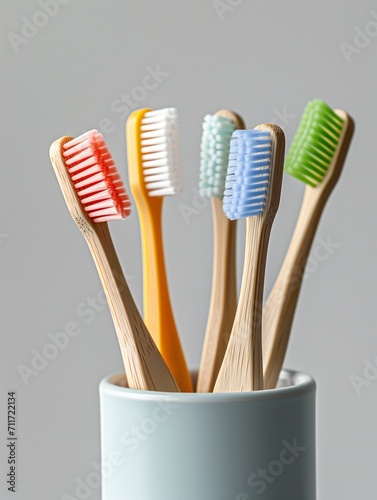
x: 155, y: 172
x: 316, y: 157
x: 94, y: 193
x: 253, y: 188
x: 215, y: 144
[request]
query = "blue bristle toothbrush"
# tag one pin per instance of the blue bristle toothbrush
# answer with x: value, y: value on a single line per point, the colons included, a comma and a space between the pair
x: 253, y: 186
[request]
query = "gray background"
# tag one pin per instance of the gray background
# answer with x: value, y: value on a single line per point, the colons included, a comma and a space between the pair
x: 258, y: 58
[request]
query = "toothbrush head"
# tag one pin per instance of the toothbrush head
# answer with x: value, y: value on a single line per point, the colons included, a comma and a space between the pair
x: 315, y: 143
x: 153, y: 152
x: 95, y: 178
x: 215, y: 146
x: 254, y: 176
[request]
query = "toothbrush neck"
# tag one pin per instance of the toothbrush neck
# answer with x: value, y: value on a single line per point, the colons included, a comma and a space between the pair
x: 157, y: 308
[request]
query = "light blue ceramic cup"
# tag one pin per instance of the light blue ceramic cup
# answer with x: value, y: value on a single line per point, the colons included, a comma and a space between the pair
x: 233, y: 446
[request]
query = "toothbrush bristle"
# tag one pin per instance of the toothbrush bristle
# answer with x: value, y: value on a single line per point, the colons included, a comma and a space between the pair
x: 215, y: 145
x: 96, y: 178
x: 248, y: 176
x: 160, y: 152
x: 314, y: 144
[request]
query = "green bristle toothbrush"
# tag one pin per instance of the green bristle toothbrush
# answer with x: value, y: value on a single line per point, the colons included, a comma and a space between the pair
x: 316, y: 157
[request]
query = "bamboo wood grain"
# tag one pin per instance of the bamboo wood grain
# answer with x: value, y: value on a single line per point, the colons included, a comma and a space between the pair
x: 242, y: 369
x: 224, y: 289
x: 144, y: 366
x: 279, y: 310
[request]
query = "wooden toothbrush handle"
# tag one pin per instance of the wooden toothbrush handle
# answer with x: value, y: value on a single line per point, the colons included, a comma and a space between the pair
x: 223, y: 298
x: 242, y: 368
x: 144, y: 366
x: 279, y: 310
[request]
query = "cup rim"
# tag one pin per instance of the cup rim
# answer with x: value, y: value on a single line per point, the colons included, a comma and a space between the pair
x: 302, y: 384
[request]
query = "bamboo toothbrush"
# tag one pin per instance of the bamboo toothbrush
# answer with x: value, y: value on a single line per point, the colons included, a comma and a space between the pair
x: 94, y: 194
x: 253, y: 188
x: 217, y: 133
x: 154, y: 172
x: 316, y: 157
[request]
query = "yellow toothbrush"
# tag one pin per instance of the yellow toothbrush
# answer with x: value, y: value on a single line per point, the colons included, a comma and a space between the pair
x: 154, y: 172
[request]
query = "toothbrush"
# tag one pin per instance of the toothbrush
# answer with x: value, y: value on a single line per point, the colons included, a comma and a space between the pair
x: 94, y: 194
x: 154, y: 172
x: 253, y: 188
x: 316, y: 157
x: 217, y: 133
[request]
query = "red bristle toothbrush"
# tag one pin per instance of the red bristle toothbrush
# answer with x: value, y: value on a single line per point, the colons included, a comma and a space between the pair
x: 94, y: 193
